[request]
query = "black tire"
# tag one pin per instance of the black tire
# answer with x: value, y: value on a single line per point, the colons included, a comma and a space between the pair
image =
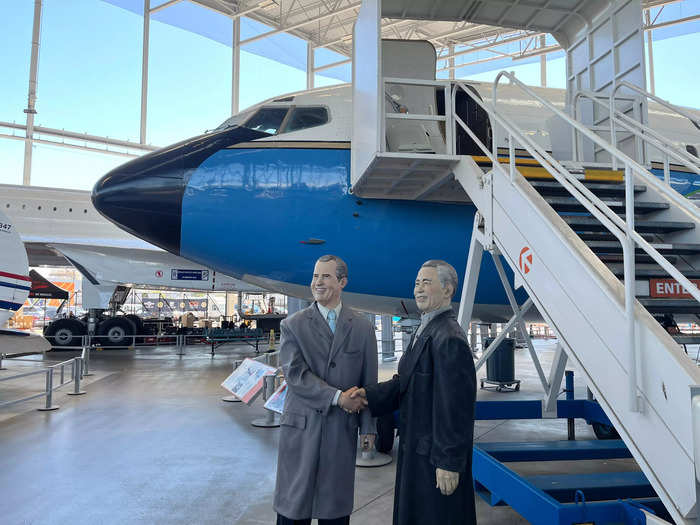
x: 603, y: 431
x: 116, y: 331
x: 65, y: 332
x: 385, y: 434
x: 138, y: 326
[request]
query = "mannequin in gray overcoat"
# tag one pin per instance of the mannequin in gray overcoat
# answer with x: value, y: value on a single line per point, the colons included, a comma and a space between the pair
x: 319, y: 425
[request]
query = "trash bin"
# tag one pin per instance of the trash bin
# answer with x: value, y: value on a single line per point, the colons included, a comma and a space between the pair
x: 500, y: 366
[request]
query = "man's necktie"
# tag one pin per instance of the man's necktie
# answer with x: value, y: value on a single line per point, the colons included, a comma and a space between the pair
x: 331, y: 320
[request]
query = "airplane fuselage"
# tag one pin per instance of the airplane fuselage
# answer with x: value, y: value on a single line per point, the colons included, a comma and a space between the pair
x: 262, y: 202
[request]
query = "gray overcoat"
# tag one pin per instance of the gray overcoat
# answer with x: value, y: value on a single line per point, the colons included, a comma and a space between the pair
x: 318, y: 441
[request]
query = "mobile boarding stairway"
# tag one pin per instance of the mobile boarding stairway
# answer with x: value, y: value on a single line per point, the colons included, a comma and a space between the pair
x: 565, y: 229
x: 566, y: 234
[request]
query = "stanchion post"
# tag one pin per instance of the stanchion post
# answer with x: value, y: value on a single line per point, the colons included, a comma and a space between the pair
x: 86, y: 359
x: 49, y: 392
x: 271, y: 420
x: 77, y: 370
x: 2, y: 356
x: 233, y: 399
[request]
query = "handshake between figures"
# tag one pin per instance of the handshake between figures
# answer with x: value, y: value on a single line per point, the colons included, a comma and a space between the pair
x: 353, y: 400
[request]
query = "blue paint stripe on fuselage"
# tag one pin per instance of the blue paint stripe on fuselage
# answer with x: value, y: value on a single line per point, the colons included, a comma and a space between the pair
x: 15, y: 286
x: 247, y: 211
x: 9, y: 305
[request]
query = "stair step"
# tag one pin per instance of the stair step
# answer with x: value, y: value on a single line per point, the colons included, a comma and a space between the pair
x: 582, y: 223
x: 670, y: 306
x: 656, y: 273
x: 663, y: 248
x: 617, y: 205
x: 643, y: 258
x: 601, y: 189
x: 596, y: 487
x: 607, y: 236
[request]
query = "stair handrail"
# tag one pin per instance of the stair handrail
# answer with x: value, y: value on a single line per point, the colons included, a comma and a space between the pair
x: 638, y: 129
x: 648, y: 177
x: 623, y: 230
x: 695, y: 121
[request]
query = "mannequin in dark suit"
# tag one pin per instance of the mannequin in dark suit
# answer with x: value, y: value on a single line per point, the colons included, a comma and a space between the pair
x: 435, y: 392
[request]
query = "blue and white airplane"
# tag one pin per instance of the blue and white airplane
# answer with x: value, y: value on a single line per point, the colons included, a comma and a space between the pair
x: 265, y: 194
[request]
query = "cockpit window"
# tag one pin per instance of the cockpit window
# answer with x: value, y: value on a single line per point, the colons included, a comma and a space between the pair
x: 306, y: 117
x: 236, y: 120
x: 267, y: 120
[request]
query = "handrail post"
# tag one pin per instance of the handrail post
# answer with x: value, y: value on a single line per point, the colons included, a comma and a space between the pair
x: 511, y: 157
x: 49, y: 392
x: 450, y: 141
x: 667, y: 169
x: 77, y: 370
x: 629, y: 273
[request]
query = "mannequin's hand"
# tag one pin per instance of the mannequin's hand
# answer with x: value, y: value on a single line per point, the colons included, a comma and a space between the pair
x: 446, y: 481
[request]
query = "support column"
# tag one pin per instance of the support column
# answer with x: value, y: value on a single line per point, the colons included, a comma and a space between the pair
x: 236, y: 67
x: 31, y: 97
x: 309, y: 66
x: 543, y: 63
x: 294, y: 305
x: 451, y: 63
x: 650, y: 53
x: 144, y: 68
x: 387, y: 340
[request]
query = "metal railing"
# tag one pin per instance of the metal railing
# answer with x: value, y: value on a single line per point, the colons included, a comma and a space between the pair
x: 77, y: 371
x: 623, y: 230
x: 679, y: 111
x: 642, y: 133
x: 399, y: 115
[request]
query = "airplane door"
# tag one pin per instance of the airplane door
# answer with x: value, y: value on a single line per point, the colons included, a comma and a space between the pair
x: 476, y: 119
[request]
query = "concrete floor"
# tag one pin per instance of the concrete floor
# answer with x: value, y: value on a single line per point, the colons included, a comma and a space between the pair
x: 152, y: 442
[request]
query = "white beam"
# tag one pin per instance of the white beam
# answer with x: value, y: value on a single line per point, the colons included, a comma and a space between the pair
x: 236, y: 67
x: 309, y: 65
x: 31, y: 96
x: 543, y: 64
x: 65, y: 134
x: 650, y: 54
x: 301, y: 24
x: 332, y: 65
x: 163, y: 6
x: 144, y: 69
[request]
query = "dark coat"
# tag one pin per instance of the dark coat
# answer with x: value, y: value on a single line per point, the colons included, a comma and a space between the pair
x: 435, y: 390
x: 318, y: 441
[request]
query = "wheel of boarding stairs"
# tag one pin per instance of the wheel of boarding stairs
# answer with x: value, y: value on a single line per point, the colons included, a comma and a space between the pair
x: 65, y: 333
x: 116, y: 331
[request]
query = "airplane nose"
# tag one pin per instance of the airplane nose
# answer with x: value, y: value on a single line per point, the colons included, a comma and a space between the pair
x: 144, y: 196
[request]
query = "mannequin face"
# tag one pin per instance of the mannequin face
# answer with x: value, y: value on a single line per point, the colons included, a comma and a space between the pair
x: 429, y: 293
x: 325, y: 286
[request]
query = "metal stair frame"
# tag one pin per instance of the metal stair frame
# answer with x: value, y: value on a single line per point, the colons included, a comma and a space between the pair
x: 653, y: 379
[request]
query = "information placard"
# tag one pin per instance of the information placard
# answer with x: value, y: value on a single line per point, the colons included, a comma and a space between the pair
x: 276, y: 402
x: 246, y: 381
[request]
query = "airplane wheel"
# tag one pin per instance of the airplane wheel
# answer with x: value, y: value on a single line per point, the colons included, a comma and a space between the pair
x: 385, y: 434
x: 65, y: 332
x: 603, y: 431
x: 116, y: 331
